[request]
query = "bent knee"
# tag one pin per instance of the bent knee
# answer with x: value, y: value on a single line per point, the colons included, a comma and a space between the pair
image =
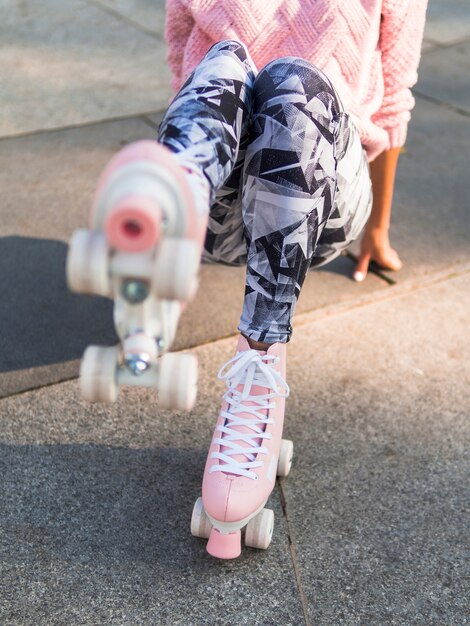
x: 231, y: 45
x: 276, y: 78
x: 292, y: 61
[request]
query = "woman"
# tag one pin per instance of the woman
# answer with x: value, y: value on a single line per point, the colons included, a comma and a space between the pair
x: 277, y: 162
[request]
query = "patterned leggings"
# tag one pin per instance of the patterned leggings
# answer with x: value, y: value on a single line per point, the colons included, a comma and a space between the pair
x: 290, y: 185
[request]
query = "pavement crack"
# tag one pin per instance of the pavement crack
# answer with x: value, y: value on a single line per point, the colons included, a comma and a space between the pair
x: 294, y: 559
x: 22, y: 392
x: 441, y: 103
x: 443, y: 46
x: 141, y: 116
x: 147, y: 120
x: 397, y: 290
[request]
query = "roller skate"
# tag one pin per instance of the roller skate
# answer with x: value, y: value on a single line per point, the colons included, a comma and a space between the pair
x: 143, y: 250
x: 246, y: 453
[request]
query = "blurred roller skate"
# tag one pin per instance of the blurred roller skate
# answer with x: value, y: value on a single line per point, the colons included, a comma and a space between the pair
x: 246, y: 453
x: 143, y: 250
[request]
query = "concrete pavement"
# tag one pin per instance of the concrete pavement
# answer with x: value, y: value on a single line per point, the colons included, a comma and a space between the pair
x: 371, y: 525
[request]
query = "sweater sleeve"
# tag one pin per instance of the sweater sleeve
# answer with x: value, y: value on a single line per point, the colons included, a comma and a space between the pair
x: 401, y: 36
x: 178, y: 26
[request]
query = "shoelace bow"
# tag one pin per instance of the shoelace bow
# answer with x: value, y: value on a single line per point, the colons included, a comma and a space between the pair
x: 248, y: 368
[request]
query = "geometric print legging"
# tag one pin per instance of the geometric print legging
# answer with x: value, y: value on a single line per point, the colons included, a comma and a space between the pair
x: 289, y: 181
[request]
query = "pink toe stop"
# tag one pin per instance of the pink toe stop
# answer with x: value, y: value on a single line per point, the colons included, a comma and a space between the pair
x: 134, y: 224
x: 224, y: 546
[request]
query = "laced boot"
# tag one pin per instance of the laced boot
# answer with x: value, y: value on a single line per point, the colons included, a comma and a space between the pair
x: 246, y: 453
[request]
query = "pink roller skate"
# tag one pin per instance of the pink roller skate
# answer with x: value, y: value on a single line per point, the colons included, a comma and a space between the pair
x: 246, y: 453
x: 143, y: 249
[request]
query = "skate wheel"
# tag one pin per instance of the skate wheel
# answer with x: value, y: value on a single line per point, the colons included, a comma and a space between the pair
x: 177, y: 385
x: 200, y: 523
x: 98, y: 374
x: 133, y: 225
x: 87, y: 263
x: 284, y: 462
x: 176, y: 269
x: 259, y: 530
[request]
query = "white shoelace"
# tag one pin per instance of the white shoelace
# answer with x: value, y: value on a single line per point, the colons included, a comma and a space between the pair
x: 248, y: 368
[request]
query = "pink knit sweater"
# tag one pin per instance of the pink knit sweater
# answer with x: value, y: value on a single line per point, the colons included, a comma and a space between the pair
x: 370, y: 49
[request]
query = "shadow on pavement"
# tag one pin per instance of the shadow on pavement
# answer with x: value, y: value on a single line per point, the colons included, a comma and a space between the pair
x: 42, y: 322
x: 105, y: 532
x: 100, y: 505
x: 45, y: 328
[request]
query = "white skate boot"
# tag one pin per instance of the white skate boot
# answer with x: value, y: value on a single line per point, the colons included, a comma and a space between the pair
x: 143, y: 249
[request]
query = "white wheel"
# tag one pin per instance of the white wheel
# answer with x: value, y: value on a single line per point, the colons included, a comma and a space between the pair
x: 176, y: 269
x: 200, y: 523
x: 177, y: 384
x: 284, y: 462
x: 87, y: 263
x: 98, y: 374
x: 259, y: 530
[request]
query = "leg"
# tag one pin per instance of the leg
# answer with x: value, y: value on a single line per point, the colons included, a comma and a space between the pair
x: 148, y: 222
x: 288, y: 194
x: 225, y: 239
x: 353, y: 200
x: 289, y: 189
x: 207, y: 126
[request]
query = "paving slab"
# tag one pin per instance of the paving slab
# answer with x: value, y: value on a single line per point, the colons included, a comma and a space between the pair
x: 95, y: 517
x: 427, y: 46
x: 48, y: 181
x: 149, y: 15
x: 43, y: 323
x: 443, y: 75
x: 430, y: 217
x: 447, y: 21
x: 377, y: 499
x: 68, y: 63
x: 97, y: 499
